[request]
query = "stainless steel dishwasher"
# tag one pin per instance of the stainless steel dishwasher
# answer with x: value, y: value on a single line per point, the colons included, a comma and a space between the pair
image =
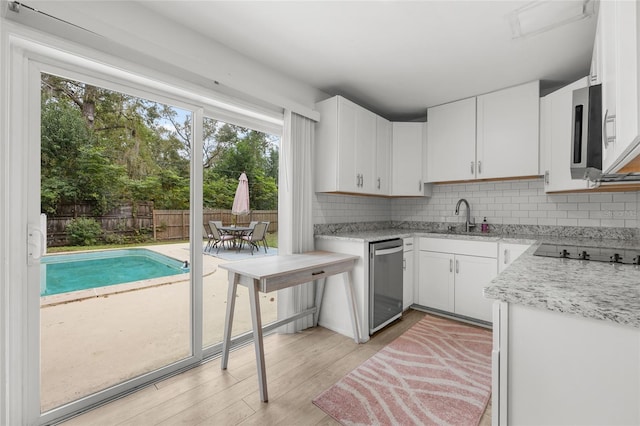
x: 385, y: 283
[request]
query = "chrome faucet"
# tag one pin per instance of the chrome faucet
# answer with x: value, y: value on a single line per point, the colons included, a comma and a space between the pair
x: 468, y: 224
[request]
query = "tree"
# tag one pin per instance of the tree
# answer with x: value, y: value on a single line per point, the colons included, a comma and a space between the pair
x: 73, y: 167
x: 251, y: 152
x: 107, y: 147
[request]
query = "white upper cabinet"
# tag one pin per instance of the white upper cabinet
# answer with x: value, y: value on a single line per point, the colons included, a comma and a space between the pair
x: 616, y: 58
x: 485, y: 137
x: 555, y: 139
x: 345, y: 148
x: 407, y: 154
x: 451, y: 141
x: 383, y: 154
x: 507, y: 132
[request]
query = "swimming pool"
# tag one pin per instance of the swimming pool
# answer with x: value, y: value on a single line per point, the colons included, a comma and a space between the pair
x: 63, y: 273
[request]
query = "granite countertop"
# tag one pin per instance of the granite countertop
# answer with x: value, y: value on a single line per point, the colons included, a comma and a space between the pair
x: 598, y: 290
x: 387, y: 234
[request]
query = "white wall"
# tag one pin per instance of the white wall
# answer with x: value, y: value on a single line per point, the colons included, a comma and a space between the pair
x: 136, y: 33
x: 506, y: 202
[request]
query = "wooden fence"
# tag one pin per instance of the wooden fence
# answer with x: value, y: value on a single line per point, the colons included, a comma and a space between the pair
x: 174, y: 224
x: 126, y: 220
x: 141, y: 219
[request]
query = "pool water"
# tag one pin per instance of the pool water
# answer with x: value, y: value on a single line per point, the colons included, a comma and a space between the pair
x: 79, y: 271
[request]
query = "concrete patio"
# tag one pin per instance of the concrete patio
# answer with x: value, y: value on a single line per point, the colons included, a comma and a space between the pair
x: 92, y: 343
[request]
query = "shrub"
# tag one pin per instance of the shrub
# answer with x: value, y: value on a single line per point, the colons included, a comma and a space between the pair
x: 83, y: 232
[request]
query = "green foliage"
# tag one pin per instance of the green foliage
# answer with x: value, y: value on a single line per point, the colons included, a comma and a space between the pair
x: 106, y: 148
x: 83, y: 231
x: 255, y: 154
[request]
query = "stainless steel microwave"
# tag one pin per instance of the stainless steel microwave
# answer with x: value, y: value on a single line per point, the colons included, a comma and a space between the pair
x: 586, y: 134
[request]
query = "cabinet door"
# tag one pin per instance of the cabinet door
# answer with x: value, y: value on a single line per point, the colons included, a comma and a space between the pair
x: 383, y: 156
x: 608, y: 49
x: 407, y: 278
x: 451, y: 141
x: 626, y: 120
x: 365, y: 150
x: 407, y: 167
x: 507, y: 133
x: 436, y: 289
x: 472, y: 274
x: 348, y: 179
x: 555, y: 137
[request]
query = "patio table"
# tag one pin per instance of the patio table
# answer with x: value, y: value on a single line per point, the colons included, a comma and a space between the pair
x: 278, y: 272
x: 237, y: 232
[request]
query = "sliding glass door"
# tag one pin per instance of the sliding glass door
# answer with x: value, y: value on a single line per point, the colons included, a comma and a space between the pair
x: 117, y: 292
x: 118, y: 186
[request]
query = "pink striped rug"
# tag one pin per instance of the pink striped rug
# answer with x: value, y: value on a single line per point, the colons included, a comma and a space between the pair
x: 437, y: 373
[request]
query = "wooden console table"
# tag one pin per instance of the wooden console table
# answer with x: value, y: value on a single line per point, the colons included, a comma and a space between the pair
x: 272, y: 273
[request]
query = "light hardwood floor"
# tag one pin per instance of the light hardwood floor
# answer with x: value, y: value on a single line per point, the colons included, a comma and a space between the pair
x: 299, y: 367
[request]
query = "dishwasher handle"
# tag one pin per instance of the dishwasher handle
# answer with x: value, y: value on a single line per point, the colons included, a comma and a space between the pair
x: 385, y: 252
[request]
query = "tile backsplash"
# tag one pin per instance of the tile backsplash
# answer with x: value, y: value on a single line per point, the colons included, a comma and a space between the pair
x: 517, y: 202
x: 338, y: 208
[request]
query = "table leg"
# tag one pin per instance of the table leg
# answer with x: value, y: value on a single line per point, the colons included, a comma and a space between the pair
x: 257, y: 339
x: 228, y: 321
x: 318, y: 302
x: 353, y: 308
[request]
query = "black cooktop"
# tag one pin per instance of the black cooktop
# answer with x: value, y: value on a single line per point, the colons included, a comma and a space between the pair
x: 599, y: 254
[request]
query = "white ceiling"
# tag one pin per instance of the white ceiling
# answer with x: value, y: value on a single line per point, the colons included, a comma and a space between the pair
x: 393, y: 57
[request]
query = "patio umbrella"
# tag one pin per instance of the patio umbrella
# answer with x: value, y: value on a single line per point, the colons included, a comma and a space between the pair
x: 241, y: 200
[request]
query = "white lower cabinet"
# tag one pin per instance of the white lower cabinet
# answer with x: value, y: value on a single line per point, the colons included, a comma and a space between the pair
x: 453, y: 281
x: 436, y: 280
x: 408, y: 273
x: 472, y: 274
x: 552, y: 368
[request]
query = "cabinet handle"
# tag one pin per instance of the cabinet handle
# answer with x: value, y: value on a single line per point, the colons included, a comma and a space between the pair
x: 378, y: 183
x: 472, y: 167
x: 546, y: 177
x: 609, y: 119
x: 420, y: 186
x: 457, y: 266
x: 479, y: 167
x: 450, y: 265
x: 506, y: 254
x: 358, y: 180
x: 404, y: 264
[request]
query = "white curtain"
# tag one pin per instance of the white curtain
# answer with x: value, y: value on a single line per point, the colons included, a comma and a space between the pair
x: 295, y: 219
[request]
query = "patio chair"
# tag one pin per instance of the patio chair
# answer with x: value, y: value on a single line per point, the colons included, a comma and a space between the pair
x: 218, y: 238
x: 253, y: 224
x: 218, y: 224
x: 209, y: 236
x: 258, y: 235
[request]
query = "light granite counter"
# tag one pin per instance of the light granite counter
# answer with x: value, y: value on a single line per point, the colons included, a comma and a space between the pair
x: 388, y: 234
x: 598, y: 290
